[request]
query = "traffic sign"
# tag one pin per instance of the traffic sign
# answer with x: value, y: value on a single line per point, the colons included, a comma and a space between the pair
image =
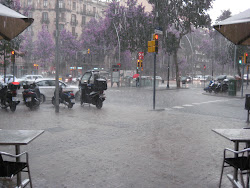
x: 141, y: 55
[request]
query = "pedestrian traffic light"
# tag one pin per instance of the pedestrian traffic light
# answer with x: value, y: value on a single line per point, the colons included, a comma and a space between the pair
x: 245, y: 57
x: 13, y: 58
x: 240, y: 59
x: 155, y: 38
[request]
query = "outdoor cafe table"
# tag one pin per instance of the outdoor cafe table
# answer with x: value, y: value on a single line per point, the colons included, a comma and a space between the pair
x: 18, y: 138
x: 236, y: 136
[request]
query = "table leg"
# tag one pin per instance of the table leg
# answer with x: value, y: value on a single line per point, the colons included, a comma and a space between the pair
x: 18, y: 160
x: 236, y: 148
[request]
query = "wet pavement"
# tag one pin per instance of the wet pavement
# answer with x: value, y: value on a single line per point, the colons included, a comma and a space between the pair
x: 126, y: 143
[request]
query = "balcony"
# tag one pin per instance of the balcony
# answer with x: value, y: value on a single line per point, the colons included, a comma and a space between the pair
x: 73, y: 23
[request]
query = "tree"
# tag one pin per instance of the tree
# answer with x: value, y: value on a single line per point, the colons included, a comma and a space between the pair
x: 44, y: 51
x: 68, y: 48
x: 177, y: 18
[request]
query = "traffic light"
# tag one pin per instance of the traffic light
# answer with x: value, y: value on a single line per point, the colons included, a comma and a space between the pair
x: 88, y: 51
x: 245, y: 57
x: 141, y: 64
x: 153, y: 44
x: 138, y: 63
x: 204, y: 67
x: 13, y: 58
x: 240, y: 60
x: 155, y: 38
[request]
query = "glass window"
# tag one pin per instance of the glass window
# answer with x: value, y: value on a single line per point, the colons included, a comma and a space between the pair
x: 45, y: 3
x: 60, y: 4
x: 73, y: 31
x: 61, y: 27
x: 85, y: 77
x: 74, y: 5
x: 84, y: 8
x: 94, y: 9
x: 73, y: 18
x: 83, y: 20
x: 29, y: 2
x: 45, y: 16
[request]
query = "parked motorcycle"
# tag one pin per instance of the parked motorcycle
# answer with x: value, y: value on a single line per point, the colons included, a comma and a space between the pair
x: 8, y: 95
x: 211, y: 86
x: 31, y: 95
x: 65, y: 97
x: 92, y: 88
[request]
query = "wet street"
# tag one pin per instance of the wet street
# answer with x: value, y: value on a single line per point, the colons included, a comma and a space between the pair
x: 127, y: 143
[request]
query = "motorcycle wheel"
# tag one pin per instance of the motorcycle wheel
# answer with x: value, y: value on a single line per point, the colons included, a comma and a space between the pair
x: 70, y: 105
x: 99, y: 103
x: 53, y: 101
x: 13, y: 107
x: 42, y: 98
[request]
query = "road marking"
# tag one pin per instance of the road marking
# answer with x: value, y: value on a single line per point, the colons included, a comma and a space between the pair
x: 187, y: 105
x: 178, y: 107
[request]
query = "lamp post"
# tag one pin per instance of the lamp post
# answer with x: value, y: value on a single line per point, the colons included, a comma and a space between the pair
x: 57, y: 56
x: 191, y: 57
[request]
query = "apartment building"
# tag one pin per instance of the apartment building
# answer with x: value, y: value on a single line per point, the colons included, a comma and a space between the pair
x: 73, y: 14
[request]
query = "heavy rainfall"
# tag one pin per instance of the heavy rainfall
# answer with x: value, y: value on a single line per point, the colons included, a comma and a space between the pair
x: 123, y: 93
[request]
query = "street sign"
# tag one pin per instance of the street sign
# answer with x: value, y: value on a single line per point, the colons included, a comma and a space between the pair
x: 158, y: 32
x: 141, y: 55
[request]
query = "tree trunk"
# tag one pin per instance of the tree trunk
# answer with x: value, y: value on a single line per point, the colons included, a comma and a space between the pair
x: 178, y: 84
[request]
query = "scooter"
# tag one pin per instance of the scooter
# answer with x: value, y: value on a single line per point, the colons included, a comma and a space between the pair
x: 31, y: 95
x: 92, y: 88
x: 8, y: 96
x: 65, y: 97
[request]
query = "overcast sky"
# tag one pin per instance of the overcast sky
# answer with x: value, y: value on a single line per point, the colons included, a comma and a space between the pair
x: 235, y: 6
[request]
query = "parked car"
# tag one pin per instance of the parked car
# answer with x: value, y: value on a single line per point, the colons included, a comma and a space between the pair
x: 197, y: 77
x: 186, y: 79
x: 8, y: 79
x: 206, y: 78
x: 28, y: 78
x: 47, y: 88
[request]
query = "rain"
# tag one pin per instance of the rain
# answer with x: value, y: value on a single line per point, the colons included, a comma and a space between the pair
x: 117, y: 93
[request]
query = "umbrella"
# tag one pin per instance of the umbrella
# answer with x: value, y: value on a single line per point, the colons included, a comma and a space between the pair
x: 136, y: 75
x: 236, y: 28
x: 12, y: 23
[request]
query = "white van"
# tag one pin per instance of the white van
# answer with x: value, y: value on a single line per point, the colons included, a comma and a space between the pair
x: 29, y: 78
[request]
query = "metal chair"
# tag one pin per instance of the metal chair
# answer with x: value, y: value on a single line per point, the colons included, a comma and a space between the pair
x: 8, y: 169
x: 242, y: 163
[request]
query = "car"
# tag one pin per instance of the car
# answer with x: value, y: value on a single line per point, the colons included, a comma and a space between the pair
x: 186, y: 79
x: 28, y: 78
x: 47, y: 88
x: 8, y: 79
x: 206, y: 78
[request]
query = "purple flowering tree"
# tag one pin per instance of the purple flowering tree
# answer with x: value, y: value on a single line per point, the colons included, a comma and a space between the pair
x: 68, y: 48
x: 44, y: 49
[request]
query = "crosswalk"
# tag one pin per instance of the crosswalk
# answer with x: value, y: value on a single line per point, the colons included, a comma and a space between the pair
x: 196, y: 104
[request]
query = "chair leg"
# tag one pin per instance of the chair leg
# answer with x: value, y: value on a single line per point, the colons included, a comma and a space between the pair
x: 29, y: 176
x: 221, y: 174
x: 242, y: 180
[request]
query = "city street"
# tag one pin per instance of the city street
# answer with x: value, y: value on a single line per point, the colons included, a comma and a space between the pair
x: 127, y: 143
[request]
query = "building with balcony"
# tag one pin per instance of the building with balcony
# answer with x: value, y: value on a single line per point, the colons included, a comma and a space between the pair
x: 73, y: 14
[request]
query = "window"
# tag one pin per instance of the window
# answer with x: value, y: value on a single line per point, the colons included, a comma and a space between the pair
x: 45, y: 3
x: 73, y: 18
x: 94, y: 9
x: 61, y: 27
x: 84, y: 8
x: 74, y: 5
x: 29, y: 2
x: 73, y: 31
x: 45, y: 27
x: 83, y: 20
x: 60, y: 4
x: 45, y: 16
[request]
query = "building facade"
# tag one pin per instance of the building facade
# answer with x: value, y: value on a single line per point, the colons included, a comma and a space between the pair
x: 73, y: 17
